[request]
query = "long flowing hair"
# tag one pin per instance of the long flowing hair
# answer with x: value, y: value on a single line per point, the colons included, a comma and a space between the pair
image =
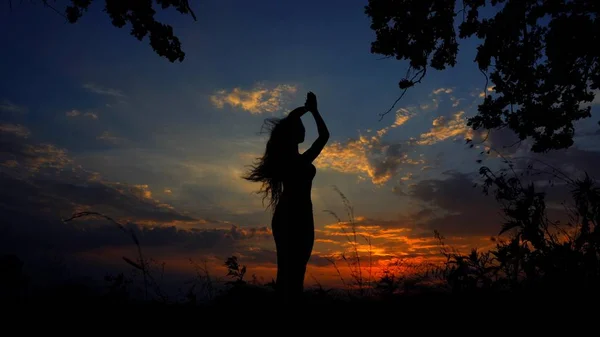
x: 270, y: 168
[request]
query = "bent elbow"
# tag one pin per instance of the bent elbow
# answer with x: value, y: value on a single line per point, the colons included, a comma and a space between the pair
x: 324, y: 136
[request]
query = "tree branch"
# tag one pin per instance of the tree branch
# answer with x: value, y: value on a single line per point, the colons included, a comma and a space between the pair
x: 381, y: 115
x: 187, y: 5
x: 412, y: 81
x: 45, y: 2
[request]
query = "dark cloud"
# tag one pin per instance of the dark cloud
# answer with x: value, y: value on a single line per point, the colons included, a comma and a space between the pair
x: 44, y: 178
x: 29, y: 234
x: 573, y: 162
x: 41, y: 185
x: 389, y: 159
x: 556, y: 173
x: 219, y: 242
x: 454, y: 206
x: 32, y: 210
x: 53, y: 196
x: 579, y: 158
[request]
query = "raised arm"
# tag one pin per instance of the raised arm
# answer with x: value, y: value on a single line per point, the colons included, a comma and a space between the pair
x: 315, y: 149
x: 298, y: 112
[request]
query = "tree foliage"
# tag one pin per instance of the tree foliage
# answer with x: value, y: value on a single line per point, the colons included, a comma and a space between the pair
x: 140, y: 15
x: 540, y: 55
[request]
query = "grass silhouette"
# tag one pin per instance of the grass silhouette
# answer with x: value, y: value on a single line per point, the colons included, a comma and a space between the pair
x: 361, y: 276
x: 533, y: 255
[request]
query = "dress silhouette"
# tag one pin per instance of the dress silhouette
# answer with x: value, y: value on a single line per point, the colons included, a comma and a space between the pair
x: 286, y: 176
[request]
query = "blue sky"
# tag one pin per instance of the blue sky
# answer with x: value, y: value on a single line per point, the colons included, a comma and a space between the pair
x: 173, y: 137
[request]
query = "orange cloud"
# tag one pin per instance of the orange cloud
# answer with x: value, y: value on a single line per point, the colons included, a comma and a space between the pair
x: 256, y: 101
x: 444, y: 128
x: 378, y: 245
x: 367, y: 155
x: 448, y: 91
x: 141, y: 191
x: 389, y: 240
x: 402, y: 116
x: 46, y: 156
x: 10, y: 163
x: 484, y: 93
x: 350, y: 157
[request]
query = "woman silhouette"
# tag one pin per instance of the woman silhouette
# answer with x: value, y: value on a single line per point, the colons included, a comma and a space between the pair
x: 286, y: 176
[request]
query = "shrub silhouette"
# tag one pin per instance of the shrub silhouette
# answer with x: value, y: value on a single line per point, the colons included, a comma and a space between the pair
x: 538, y: 254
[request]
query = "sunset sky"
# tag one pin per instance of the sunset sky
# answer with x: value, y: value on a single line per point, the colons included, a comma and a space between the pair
x: 92, y: 119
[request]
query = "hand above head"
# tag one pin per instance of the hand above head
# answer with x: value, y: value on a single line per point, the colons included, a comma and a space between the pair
x: 315, y: 149
x: 311, y: 102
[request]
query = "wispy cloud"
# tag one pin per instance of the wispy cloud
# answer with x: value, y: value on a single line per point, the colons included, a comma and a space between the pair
x: 73, y: 113
x: 8, y: 106
x: 402, y: 116
x: 31, y: 158
x: 140, y: 191
x: 108, y: 137
x: 257, y: 100
x: 91, y: 115
x: 15, y: 129
x: 97, y: 89
x: 77, y: 113
x: 47, y: 156
x: 444, y: 128
x: 448, y: 92
x: 442, y: 90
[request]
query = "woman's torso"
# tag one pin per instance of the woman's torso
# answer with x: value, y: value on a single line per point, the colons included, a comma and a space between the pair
x: 297, y: 185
